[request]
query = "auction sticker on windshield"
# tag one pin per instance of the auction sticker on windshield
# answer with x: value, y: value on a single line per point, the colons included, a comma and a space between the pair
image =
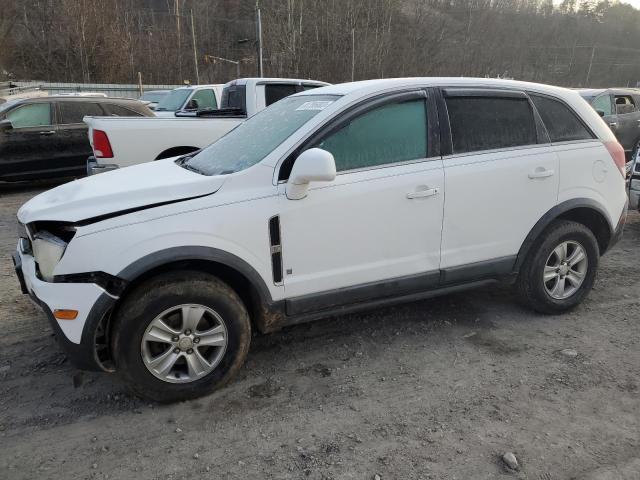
x: 315, y: 105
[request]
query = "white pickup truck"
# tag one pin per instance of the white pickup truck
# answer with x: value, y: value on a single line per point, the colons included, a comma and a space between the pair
x: 120, y: 142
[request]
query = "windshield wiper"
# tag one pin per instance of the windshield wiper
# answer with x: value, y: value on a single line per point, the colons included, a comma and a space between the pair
x: 182, y: 161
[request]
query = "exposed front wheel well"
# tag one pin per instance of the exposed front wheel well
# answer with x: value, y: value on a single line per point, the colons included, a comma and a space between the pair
x: 176, y: 151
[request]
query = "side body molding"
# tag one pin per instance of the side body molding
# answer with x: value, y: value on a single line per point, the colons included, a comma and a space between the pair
x: 552, y: 215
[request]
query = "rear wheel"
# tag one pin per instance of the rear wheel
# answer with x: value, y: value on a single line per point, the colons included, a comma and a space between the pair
x: 560, y: 269
x: 180, y: 335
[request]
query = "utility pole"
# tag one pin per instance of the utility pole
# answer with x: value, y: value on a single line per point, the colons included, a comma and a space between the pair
x: 353, y: 53
x: 593, y: 52
x: 259, y: 37
x: 177, y: 9
x: 195, y: 51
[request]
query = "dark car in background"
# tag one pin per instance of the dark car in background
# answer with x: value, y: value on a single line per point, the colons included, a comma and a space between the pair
x: 620, y: 108
x: 45, y: 137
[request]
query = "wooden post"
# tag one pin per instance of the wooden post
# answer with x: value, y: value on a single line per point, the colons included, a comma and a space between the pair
x: 140, y: 83
x: 195, y: 51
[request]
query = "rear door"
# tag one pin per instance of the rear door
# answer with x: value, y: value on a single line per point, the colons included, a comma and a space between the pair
x: 27, y: 149
x: 500, y: 178
x: 72, y: 134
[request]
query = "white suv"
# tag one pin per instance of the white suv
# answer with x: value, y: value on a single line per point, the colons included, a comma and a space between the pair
x: 333, y: 200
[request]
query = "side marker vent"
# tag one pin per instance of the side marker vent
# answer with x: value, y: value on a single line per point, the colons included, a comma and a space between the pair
x: 276, y: 249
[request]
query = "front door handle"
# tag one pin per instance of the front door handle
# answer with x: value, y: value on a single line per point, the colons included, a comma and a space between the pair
x: 423, y: 191
x: 541, y: 172
x: 613, y: 125
x: 47, y: 132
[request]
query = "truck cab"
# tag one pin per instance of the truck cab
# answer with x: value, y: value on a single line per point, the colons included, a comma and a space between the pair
x: 186, y: 101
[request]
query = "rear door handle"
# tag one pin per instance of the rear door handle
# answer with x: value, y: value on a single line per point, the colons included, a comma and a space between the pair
x: 423, y: 191
x: 541, y: 173
x: 47, y: 132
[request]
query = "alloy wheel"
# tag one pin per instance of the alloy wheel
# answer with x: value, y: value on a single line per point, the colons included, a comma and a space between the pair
x: 184, y: 343
x: 565, y: 270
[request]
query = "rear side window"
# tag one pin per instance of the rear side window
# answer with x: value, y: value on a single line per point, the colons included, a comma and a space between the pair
x: 486, y: 123
x: 275, y: 92
x: 74, y: 112
x: 34, y: 115
x: 388, y: 134
x: 562, y: 124
x: 206, y: 99
x: 120, y: 111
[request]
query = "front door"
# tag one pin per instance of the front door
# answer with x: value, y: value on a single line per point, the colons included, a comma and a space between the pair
x: 26, y: 149
x: 375, y: 230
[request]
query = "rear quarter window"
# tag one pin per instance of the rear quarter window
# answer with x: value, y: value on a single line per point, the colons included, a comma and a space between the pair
x: 74, y: 112
x: 487, y: 123
x: 562, y: 123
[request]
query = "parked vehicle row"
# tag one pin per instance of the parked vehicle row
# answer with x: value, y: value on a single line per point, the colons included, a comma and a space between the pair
x: 45, y: 137
x: 329, y: 201
x: 121, y: 142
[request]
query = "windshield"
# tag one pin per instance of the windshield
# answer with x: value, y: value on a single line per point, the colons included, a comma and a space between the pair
x: 174, y: 100
x: 254, y: 139
x: 153, y: 96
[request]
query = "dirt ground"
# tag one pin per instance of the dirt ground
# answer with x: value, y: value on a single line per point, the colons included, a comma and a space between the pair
x: 438, y: 389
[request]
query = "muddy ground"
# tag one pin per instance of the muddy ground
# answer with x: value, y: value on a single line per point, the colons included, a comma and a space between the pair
x: 438, y: 389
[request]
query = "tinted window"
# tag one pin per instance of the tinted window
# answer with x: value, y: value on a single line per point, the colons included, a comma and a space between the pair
x: 74, y: 112
x: 603, y: 104
x: 274, y: 92
x: 485, y: 123
x: 389, y: 134
x: 120, y: 111
x: 562, y: 124
x: 34, y: 115
x: 205, y: 99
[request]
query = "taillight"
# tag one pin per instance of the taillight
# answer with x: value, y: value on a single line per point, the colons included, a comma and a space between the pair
x: 617, y: 153
x: 101, y: 145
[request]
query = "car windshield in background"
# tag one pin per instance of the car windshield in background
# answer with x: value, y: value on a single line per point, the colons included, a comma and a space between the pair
x: 153, y: 96
x: 173, y: 101
x: 254, y: 139
x: 7, y: 105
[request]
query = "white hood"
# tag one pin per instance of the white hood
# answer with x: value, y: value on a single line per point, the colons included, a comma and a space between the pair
x: 118, y: 190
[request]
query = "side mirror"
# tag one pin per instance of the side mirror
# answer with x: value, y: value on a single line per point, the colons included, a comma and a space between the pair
x: 192, y: 104
x: 313, y: 165
x: 600, y: 112
x: 5, y: 125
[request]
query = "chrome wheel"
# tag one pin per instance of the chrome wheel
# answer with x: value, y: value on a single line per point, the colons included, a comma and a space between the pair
x: 565, y: 270
x: 184, y: 343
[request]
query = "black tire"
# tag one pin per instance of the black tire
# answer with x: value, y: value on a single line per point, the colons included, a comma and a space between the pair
x: 154, y: 297
x: 530, y: 284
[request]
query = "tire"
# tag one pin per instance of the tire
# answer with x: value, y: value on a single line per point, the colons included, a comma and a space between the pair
x: 175, y: 298
x: 545, y: 296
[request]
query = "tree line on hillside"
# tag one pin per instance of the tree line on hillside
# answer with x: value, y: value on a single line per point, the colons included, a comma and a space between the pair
x: 575, y: 43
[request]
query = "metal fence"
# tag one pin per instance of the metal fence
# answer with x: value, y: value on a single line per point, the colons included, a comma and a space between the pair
x: 110, y: 89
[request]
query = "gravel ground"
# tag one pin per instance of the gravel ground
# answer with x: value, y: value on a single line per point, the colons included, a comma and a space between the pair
x: 439, y: 389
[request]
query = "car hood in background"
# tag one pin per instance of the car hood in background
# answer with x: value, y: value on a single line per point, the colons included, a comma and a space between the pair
x: 121, y: 190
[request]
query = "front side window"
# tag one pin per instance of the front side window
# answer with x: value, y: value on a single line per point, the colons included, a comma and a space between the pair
x: 389, y: 134
x: 74, y: 112
x: 562, y: 124
x: 253, y: 140
x: 603, y: 104
x: 487, y: 123
x: 206, y: 99
x: 625, y: 104
x: 34, y: 115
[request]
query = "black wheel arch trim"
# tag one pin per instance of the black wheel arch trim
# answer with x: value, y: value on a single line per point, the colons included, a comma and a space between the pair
x: 191, y: 253
x: 552, y: 215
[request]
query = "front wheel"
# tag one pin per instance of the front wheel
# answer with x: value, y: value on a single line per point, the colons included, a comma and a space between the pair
x: 180, y: 335
x: 560, y: 269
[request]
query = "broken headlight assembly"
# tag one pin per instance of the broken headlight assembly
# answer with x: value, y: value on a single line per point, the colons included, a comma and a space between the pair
x: 48, y: 249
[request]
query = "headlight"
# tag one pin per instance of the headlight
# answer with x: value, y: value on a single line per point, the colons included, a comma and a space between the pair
x: 47, y: 251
